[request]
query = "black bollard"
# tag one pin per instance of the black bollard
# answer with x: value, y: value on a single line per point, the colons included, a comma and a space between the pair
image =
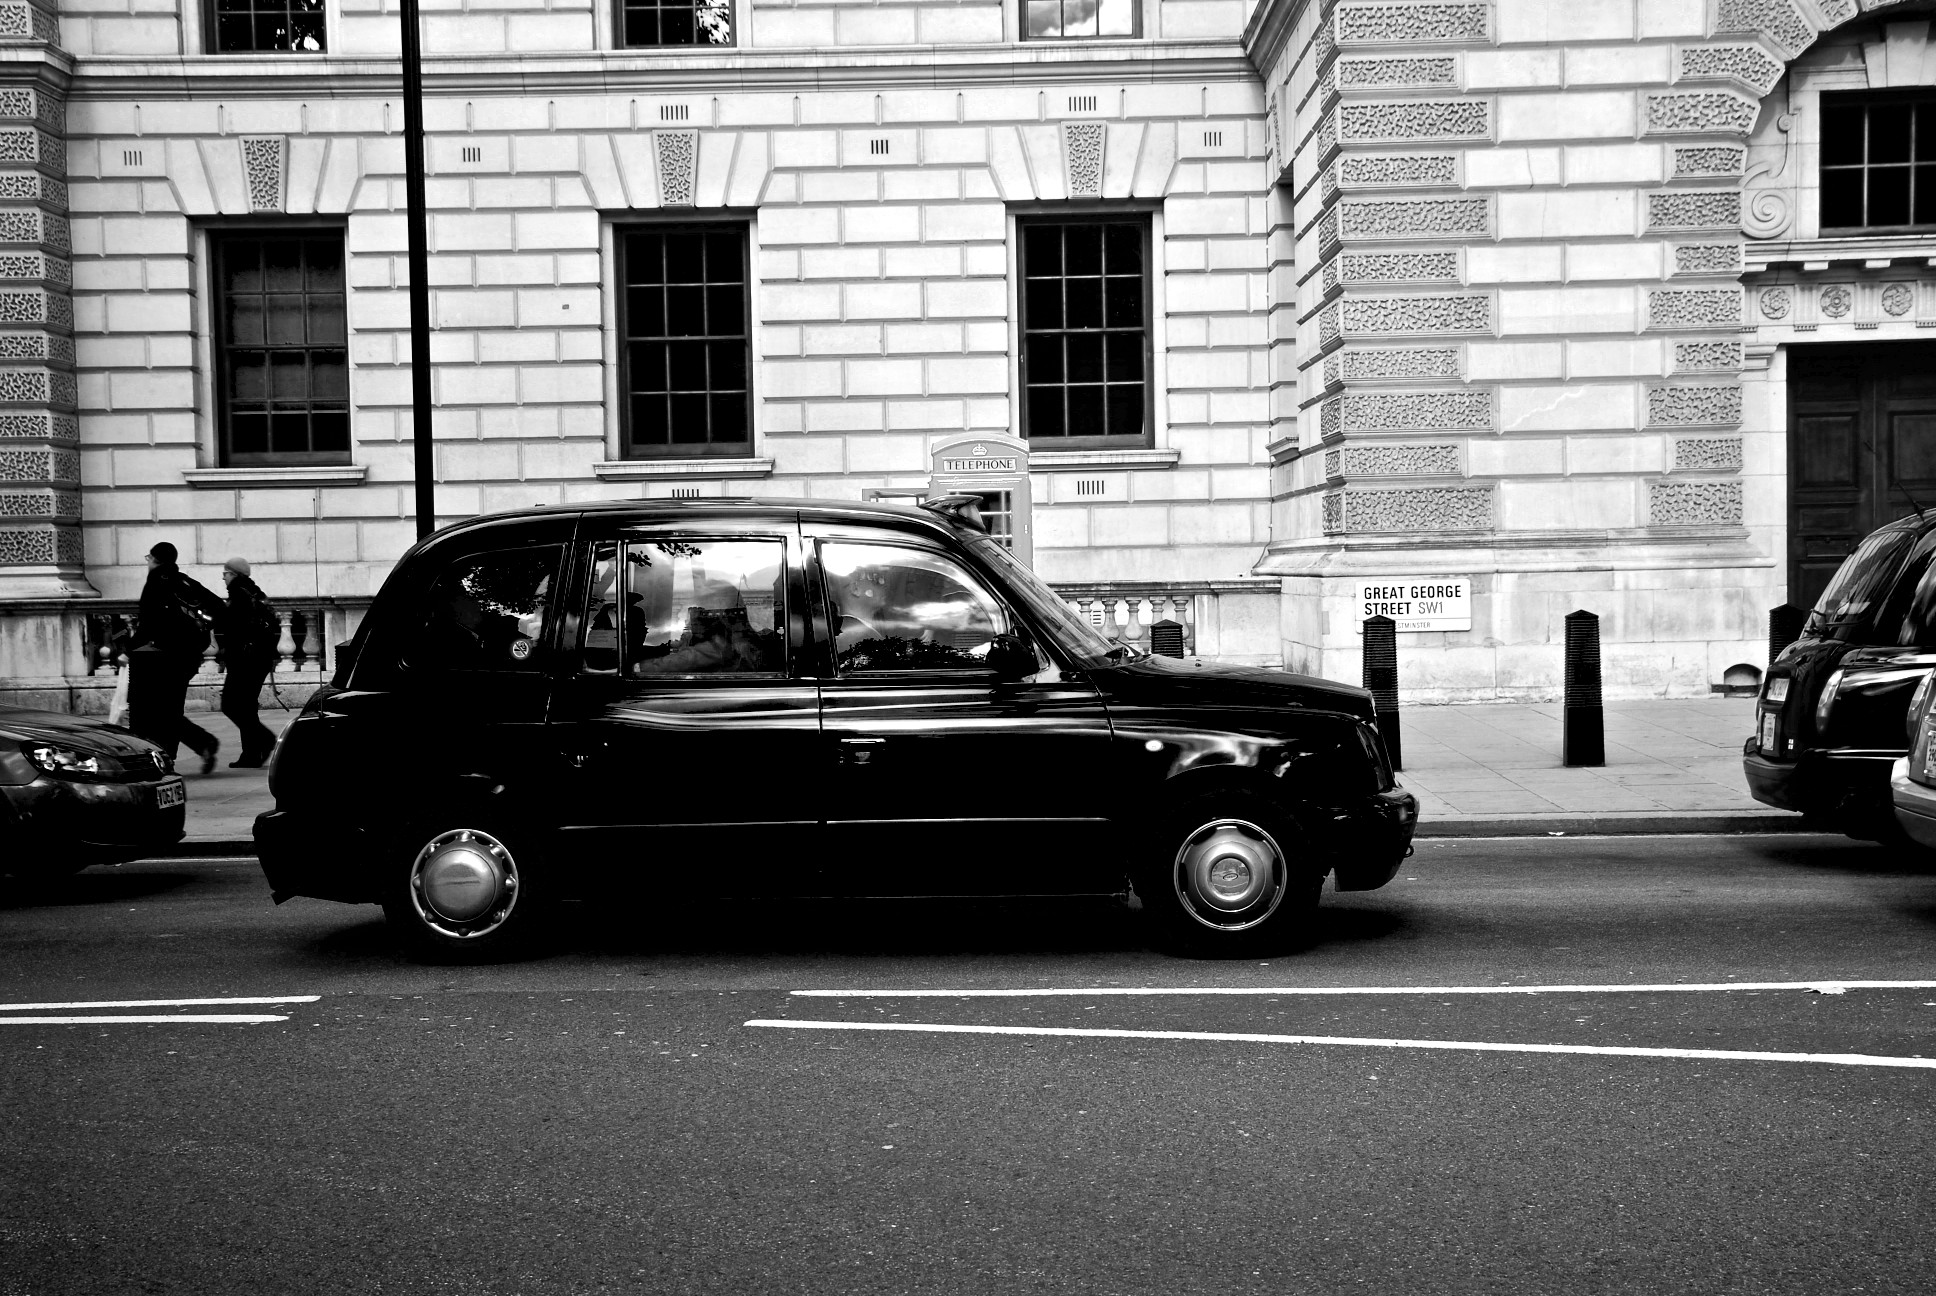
x: 1381, y: 678
x: 1784, y: 627
x: 1585, y: 741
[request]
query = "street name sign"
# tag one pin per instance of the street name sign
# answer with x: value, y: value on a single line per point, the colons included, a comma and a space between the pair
x: 1418, y: 602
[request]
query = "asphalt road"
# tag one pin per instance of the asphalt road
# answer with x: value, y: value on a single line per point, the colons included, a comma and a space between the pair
x: 604, y: 1118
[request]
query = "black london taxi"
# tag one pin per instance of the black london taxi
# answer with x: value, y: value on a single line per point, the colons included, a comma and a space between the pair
x: 76, y: 791
x: 704, y: 701
x: 1834, y: 704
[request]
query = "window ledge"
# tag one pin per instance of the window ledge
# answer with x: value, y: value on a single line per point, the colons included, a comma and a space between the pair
x: 645, y: 469
x: 271, y: 475
x: 1090, y: 460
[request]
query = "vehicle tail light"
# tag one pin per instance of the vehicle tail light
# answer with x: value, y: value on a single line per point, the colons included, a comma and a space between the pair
x: 1381, y: 771
x: 1827, y: 702
x: 1922, y: 751
x: 1776, y: 691
x: 1917, y: 700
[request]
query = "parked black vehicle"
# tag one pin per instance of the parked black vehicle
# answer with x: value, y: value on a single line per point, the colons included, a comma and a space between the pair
x: 76, y: 791
x: 1834, y: 703
x: 710, y: 700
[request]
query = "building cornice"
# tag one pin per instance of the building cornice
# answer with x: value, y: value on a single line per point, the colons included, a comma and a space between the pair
x: 1269, y: 29
x: 629, y: 72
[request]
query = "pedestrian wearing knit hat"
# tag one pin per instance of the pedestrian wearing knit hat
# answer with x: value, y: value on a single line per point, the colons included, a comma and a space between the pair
x: 250, y: 630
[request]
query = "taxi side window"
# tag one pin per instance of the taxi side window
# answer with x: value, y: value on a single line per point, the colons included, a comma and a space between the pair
x: 899, y: 609
x: 678, y: 607
x: 1919, y: 623
x: 487, y: 612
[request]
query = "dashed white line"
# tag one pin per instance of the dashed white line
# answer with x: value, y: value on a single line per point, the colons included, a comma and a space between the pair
x: 1238, y: 1037
x: 1820, y: 987
x: 157, y: 1003
x: 154, y: 1019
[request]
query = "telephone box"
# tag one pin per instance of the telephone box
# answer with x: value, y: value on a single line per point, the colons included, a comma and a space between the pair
x: 995, y: 468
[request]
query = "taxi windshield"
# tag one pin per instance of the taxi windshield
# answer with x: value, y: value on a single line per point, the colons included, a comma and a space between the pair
x: 1070, y: 629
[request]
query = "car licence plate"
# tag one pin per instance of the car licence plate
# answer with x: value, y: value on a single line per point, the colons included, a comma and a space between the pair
x: 1768, y: 732
x: 169, y: 795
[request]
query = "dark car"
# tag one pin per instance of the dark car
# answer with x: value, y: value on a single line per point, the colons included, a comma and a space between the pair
x: 1834, y: 703
x: 703, y: 701
x: 75, y: 791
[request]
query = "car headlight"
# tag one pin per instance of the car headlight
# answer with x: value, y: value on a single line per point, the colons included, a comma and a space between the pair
x: 67, y: 760
x: 1827, y: 702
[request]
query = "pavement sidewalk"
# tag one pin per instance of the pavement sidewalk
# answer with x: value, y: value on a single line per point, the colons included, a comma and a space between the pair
x: 1480, y: 770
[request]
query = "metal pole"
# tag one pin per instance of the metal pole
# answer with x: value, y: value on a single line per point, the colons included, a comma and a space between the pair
x: 1380, y: 674
x: 1584, y: 740
x: 418, y: 223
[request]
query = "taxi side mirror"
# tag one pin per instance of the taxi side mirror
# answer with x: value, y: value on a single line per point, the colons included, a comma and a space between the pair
x: 1011, y: 658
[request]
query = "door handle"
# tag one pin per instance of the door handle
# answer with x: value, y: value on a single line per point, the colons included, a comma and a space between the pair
x: 859, y: 751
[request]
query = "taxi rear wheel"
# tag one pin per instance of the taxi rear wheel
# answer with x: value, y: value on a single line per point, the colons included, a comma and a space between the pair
x: 1229, y: 876
x: 463, y: 894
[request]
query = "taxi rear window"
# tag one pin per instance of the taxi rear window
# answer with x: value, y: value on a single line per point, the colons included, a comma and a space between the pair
x: 1861, y: 583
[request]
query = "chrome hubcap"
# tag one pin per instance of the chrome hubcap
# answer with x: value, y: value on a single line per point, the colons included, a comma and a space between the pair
x: 1230, y: 874
x: 464, y: 883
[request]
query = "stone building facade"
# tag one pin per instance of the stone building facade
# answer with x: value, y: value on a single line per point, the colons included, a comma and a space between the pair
x: 1503, y: 290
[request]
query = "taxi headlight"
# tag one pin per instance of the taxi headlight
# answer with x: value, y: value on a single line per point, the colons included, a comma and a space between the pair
x: 1827, y: 702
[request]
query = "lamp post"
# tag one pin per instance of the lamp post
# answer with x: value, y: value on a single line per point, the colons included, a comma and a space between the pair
x: 419, y: 261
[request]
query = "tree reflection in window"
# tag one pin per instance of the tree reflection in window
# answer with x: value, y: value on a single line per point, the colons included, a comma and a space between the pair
x: 488, y: 612
x: 267, y: 26
x: 676, y: 22
x: 705, y: 607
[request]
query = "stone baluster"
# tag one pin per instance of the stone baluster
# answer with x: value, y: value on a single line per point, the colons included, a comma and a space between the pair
x: 212, y: 663
x: 1186, y: 613
x: 1110, y: 626
x: 285, y: 646
x: 1136, y: 625
x: 312, y: 641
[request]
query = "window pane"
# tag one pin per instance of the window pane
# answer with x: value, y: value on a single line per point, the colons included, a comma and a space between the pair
x: 1085, y: 357
x: 249, y: 434
x: 1118, y: 18
x: 329, y: 430
x: 645, y: 309
x: 679, y: 22
x: 1082, y: 298
x: 1045, y: 412
x: 725, y: 310
x: 685, y: 258
x: 1125, y: 357
x: 284, y: 323
x: 1045, y: 360
x: 707, y: 607
x: 1085, y: 412
x: 1042, y: 303
x: 1126, y: 410
x: 329, y: 376
x: 1044, y: 17
x: 729, y: 417
x: 686, y: 311
x: 1842, y: 133
x: 1926, y: 132
x: 288, y: 433
x: 689, y: 423
x: 245, y: 321
x: 1125, y: 302
x: 1841, y: 199
x: 903, y: 610
x: 1888, y: 196
x: 1042, y: 249
x: 249, y: 376
x: 1123, y: 250
x: 1889, y: 133
x: 1082, y: 248
x: 488, y: 613
x: 726, y: 366
x: 1925, y: 212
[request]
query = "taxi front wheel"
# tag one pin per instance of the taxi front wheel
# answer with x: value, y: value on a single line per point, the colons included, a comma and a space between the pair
x: 464, y: 895
x: 1229, y: 876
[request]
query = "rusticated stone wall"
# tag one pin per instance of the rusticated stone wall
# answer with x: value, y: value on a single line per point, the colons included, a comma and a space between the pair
x: 40, y: 466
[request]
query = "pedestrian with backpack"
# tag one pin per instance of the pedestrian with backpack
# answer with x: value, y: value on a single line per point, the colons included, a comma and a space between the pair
x: 250, y: 631
x: 172, y: 626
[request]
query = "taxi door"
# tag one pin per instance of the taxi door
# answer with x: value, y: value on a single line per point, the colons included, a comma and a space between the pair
x: 684, y: 716
x: 948, y: 776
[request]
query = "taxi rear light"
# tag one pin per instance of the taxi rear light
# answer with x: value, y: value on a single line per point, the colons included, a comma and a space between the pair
x: 1827, y: 702
x: 1777, y: 690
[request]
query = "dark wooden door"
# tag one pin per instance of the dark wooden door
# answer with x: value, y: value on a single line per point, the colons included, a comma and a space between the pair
x: 1861, y: 450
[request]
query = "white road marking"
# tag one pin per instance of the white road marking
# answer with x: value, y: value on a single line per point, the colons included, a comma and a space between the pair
x: 157, y: 1003
x: 1239, y: 1037
x: 1820, y: 987
x: 157, y: 1019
